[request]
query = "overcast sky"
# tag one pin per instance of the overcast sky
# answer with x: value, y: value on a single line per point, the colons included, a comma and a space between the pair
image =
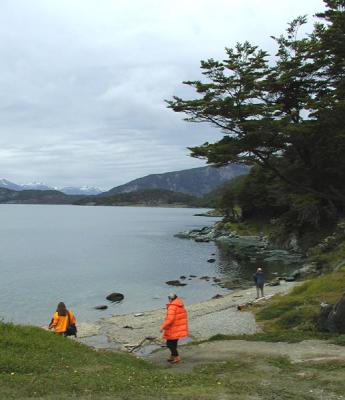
x: 83, y: 82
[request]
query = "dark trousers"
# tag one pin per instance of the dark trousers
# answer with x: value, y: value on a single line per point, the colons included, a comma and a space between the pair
x: 172, y: 346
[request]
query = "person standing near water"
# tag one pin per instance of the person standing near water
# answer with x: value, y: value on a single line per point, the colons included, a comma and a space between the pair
x: 259, y: 282
x: 63, y: 321
x: 175, y: 326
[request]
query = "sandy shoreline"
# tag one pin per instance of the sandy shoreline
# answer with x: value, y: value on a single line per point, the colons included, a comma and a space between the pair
x: 207, y: 318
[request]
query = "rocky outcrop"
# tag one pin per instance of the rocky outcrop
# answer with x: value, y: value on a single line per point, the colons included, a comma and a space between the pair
x: 289, y: 278
x: 330, y: 242
x: 274, y: 282
x: 307, y: 270
x: 200, y: 235
x: 332, y: 317
x: 243, y: 247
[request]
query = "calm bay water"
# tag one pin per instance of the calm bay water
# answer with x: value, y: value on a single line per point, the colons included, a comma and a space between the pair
x: 81, y: 254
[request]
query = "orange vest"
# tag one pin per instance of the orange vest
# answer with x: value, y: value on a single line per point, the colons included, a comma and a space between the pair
x: 175, y: 325
x: 59, y: 322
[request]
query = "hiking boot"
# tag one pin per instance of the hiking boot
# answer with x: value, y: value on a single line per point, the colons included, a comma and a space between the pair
x: 175, y: 360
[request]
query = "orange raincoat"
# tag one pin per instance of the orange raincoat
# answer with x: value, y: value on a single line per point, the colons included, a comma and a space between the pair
x: 59, y: 322
x: 175, y: 325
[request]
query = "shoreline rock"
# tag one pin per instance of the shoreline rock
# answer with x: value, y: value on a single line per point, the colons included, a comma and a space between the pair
x: 175, y: 283
x: 332, y: 317
x: 101, y: 307
x: 252, y: 248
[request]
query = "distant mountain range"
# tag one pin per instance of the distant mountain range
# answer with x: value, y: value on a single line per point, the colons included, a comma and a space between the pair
x: 73, y: 190
x: 8, y: 196
x: 178, y: 187
x: 195, y: 181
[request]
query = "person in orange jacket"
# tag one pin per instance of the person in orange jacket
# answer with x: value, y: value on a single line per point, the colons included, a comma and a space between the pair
x: 175, y: 326
x: 62, y: 321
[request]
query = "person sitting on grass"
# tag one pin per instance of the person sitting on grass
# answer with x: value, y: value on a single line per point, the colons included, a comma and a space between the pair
x: 63, y: 321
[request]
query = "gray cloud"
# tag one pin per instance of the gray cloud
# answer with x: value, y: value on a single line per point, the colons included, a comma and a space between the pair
x: 83, y: 82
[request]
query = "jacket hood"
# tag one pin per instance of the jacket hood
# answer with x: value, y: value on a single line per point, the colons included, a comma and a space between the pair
x: 177, y: 302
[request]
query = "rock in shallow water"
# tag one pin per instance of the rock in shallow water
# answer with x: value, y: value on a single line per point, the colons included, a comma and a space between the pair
x: 202, y: 240
x: 102, y: 307
x: 175, y: 283
x: 115, y: 297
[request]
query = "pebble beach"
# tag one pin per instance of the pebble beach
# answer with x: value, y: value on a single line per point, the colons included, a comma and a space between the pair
x: 215, y: 316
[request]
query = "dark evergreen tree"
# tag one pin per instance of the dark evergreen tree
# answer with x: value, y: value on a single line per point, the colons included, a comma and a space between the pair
x: 287, y: 118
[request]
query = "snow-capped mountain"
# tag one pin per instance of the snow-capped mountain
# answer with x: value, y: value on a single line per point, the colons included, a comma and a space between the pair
x: 4, y: 183
x: 72, y: 190
x: 37, y: 186
x: 84, y: 190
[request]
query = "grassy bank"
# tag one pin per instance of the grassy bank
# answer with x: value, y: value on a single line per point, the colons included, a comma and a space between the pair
x: 290, y: 336
x: 298, y: 309
x: 291, y: 317
x: 38, y: 364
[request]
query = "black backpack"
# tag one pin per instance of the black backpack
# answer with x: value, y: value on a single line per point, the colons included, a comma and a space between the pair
x: 71, y: 328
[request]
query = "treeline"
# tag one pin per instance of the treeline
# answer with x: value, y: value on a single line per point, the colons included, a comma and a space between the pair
x: 285, y: 118
x: 148, y: 197
x: 36, y: 197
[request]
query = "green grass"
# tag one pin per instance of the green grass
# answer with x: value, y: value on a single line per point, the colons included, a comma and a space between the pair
x: 289, y: 336
x: 35, y: 364
x: 330, y: 259
x: 291, y: 317
x: 298, y: 309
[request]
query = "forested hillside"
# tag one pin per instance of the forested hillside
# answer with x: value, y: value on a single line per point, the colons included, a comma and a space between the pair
x: 194, y: 181
x: 149, y: 197
x: 36, y: 197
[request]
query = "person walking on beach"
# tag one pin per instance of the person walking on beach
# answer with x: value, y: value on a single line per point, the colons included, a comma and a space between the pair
x: 259, y: 282
x: 63, y: 321
x: 175, y: 326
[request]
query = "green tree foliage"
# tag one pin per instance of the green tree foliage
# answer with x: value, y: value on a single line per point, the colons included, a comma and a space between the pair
x: 287, y: 117
x: 226, y: 198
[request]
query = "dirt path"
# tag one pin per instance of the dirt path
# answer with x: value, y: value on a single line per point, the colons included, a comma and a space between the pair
x: 225, y: 350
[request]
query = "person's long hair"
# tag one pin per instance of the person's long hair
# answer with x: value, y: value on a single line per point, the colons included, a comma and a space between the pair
x: 61, y: 309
